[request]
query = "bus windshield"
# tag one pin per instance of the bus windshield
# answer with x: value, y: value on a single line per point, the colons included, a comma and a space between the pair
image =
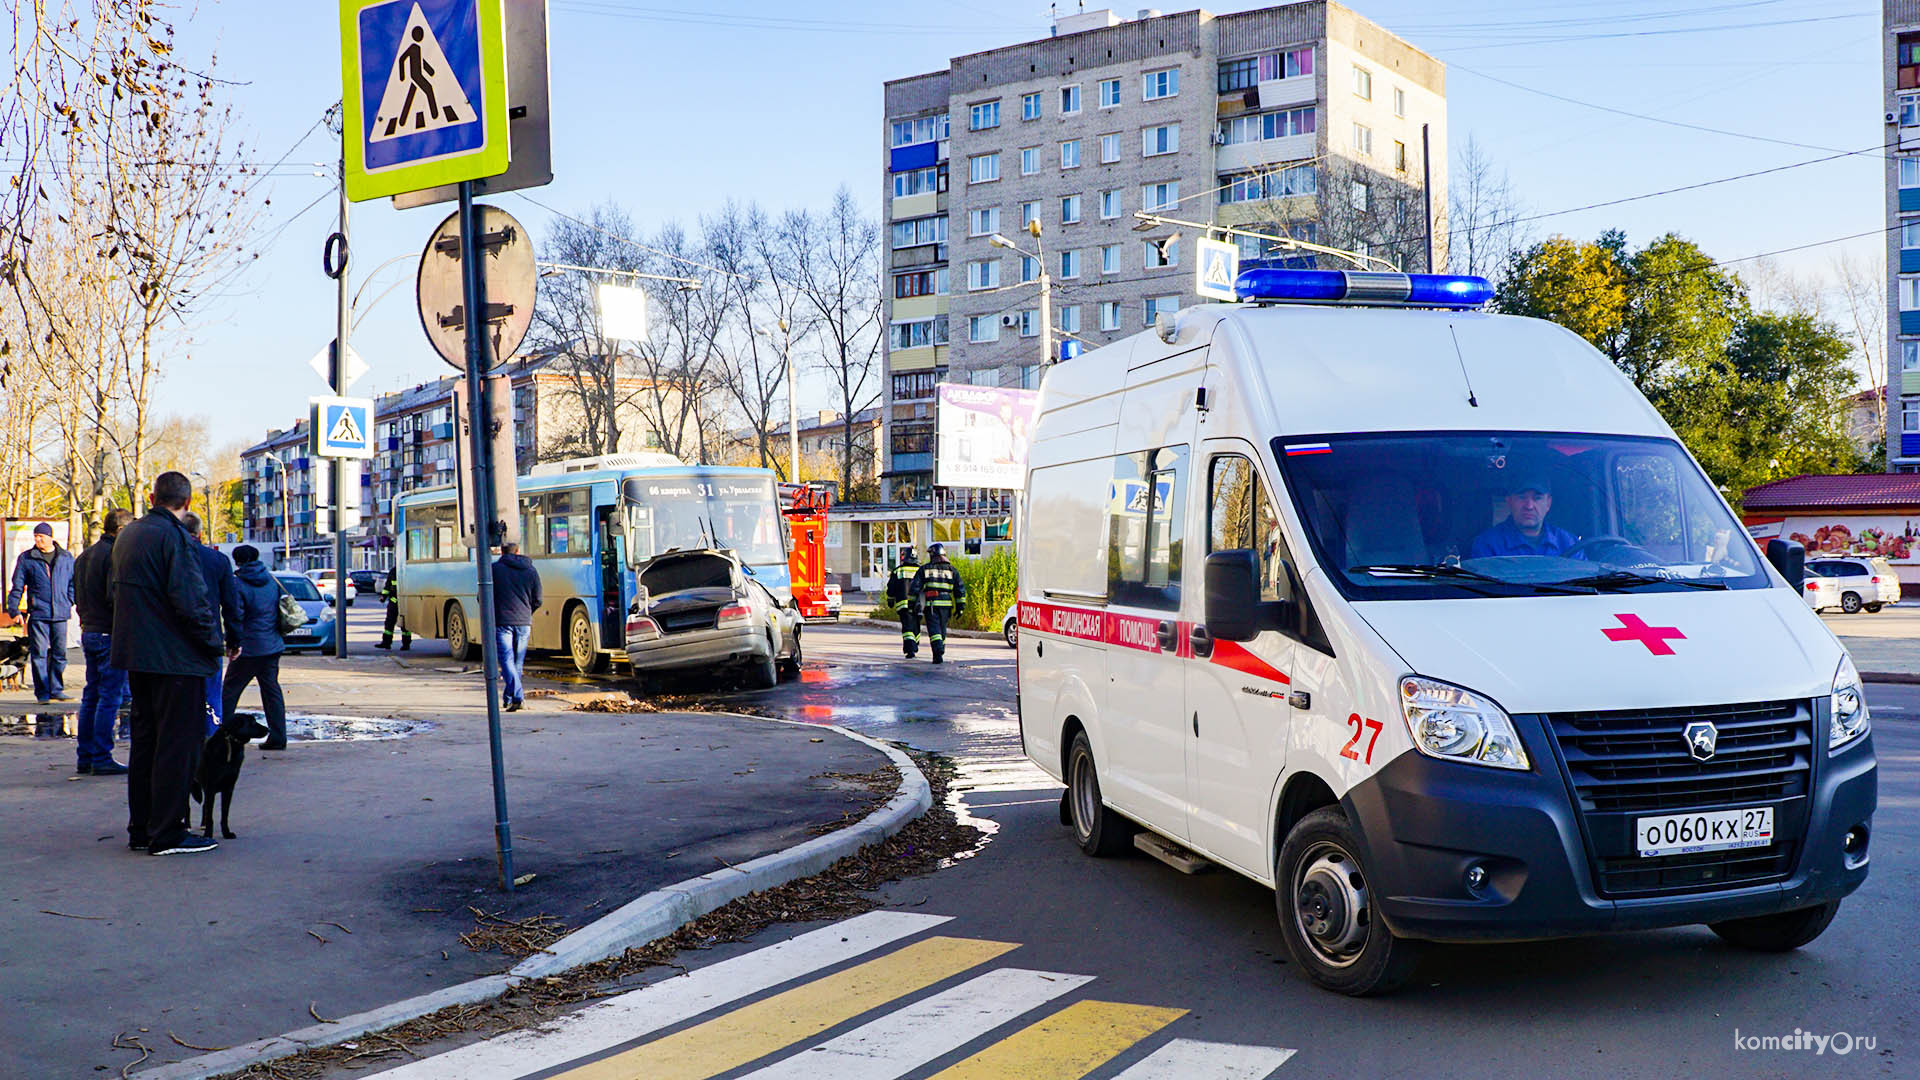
x: 705, y: 510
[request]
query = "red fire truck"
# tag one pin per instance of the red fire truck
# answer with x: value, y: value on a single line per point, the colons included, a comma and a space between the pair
x: 805, y: 508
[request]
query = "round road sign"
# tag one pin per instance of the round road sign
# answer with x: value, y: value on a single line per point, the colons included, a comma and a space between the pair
x: 507, y: 268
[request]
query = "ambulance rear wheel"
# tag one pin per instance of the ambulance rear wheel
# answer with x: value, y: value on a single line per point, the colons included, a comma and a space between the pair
x: 1099, y: 831
x: 1328, y: 915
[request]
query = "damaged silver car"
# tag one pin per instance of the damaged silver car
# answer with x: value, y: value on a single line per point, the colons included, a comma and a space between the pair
x: 703, y: 610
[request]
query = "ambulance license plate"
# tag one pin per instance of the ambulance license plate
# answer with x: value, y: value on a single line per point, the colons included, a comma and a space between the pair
x: 1707, y: 830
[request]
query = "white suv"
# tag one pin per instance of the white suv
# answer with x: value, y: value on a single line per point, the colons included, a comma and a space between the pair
x: 1862, y: 581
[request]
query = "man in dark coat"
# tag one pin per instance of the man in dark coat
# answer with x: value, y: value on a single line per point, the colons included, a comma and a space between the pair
x: 217, y: 571
x: 166, y: 636
x: 45, y: 576
x: 106, y: 688
x: 516, y: 596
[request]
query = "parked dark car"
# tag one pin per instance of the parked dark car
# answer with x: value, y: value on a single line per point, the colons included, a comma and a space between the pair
x: 366, y: 581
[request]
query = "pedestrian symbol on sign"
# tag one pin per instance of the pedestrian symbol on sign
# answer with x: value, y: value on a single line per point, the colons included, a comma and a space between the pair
x: 422, y: 93
x: 341, y: 429
x: 1218, y: 264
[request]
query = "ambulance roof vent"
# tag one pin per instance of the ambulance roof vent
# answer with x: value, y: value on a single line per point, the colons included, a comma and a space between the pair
x: 1279, y: 285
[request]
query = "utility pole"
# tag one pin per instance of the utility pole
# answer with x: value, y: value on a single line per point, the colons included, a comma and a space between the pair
x: 337, y: 378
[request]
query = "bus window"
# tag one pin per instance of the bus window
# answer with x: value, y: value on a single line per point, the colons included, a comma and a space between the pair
x: 567, y: 527
x: 533, y: 525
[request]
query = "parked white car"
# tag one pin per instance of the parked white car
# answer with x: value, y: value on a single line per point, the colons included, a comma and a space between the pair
x: 324, y: 579
x: 1010, y: 625
x: 1863, y: 581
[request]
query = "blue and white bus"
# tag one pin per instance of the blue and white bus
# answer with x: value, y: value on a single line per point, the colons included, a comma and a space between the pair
x: 587, y: 524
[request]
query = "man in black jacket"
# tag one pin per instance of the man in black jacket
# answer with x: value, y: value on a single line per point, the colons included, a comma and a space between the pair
x: 516, y: 596
x: 106, y: 688
x: 938, y: 590
x: 166, y: 636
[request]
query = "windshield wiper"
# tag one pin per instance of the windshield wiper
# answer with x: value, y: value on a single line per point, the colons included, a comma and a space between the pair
x: 1614, y: 580
x: 1461, y: 576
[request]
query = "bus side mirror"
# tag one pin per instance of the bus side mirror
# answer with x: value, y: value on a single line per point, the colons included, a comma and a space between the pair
x: 1233, y: 595
x: 1790, y: 558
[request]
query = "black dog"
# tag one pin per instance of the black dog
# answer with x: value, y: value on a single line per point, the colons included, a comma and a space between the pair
x: 13, y: 663
x: 220, y: 760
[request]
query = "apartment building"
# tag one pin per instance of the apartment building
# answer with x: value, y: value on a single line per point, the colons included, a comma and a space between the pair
x: 284, y: 490
x: 1303, y: 121
x: 1901, y: 61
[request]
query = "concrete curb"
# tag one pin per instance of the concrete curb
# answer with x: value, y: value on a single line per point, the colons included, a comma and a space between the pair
x: 646, y: 919
x: 1907, y: 678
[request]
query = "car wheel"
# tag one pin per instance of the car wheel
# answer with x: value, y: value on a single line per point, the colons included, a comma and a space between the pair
x: 460, y: 643
x: 1777, y: 933
x: 1874, y: 609
x: 790, y: 667
x: 1327, y: 910
x: 1100, y: 831
x: 1850, y: 603
x: 1011, y: 631
x: 762, y: 674
x: 587, y: 657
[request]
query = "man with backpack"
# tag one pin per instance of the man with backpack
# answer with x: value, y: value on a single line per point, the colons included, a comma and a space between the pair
x: 900, y: 595
x: 938, y: 590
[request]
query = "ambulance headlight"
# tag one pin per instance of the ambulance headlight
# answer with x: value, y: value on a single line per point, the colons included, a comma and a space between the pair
x: 1848, y: 706
x: 1456, y: 724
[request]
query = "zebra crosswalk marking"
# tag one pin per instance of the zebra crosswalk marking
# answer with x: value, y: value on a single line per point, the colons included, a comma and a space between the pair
x: 754, y: 1031
x: 1066, y: 1045
x: 902, y: 1041
x: 668, y: 1002
x: 1191, y: 1059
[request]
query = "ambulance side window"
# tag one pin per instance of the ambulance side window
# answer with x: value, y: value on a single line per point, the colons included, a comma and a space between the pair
x: 1144, y: 528
x: 1240, y: 517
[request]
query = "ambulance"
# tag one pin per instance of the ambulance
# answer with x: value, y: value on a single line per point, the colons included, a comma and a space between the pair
x: 1422, y: 616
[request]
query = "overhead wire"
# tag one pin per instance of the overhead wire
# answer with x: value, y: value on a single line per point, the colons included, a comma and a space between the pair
x: 629, y: 240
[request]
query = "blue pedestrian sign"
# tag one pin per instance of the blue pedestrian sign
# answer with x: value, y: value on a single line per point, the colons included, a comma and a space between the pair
x: 1216, y: 265
x: 425, y: 94
x: 342, y: 427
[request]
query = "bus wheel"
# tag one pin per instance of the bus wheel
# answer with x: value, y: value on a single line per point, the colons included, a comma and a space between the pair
x: 460, y: 643
x: 587, y: 657
x: 1328, y: 917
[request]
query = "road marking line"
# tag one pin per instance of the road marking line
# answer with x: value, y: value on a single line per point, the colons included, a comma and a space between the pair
x: 667, y: 1002
x: 753, y: 1031
x: 902, y: 1041
x: 1191, y: 1059
x: 1067, y: 1045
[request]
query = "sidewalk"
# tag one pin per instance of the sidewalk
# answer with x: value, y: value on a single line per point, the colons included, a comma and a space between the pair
x: 1885, y: 645
x: 351, y: 882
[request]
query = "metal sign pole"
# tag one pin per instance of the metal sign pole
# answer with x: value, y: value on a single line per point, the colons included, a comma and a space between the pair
x: 473, y: 289
x: 338, y: 377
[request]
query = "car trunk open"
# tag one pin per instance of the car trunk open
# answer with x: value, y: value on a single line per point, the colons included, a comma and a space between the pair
x: 686, y: 590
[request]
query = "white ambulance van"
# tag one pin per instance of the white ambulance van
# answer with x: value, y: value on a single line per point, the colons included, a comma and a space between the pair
x: 1423, y: 617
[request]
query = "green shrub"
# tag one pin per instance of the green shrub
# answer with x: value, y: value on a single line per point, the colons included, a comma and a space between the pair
x: 992, y: 583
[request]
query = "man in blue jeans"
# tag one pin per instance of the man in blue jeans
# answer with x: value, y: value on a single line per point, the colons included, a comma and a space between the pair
x: 44, y: 574
x: 516, y: 596
x: 106, y: 688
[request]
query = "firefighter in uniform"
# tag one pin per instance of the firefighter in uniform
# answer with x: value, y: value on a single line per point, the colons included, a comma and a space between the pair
x: 390, y: 592
x: 941, y: 593
x: 900, y: 595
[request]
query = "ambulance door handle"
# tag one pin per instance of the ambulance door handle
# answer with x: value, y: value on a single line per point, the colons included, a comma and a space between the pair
x: 1202, y: 641
x: 1168, y: 635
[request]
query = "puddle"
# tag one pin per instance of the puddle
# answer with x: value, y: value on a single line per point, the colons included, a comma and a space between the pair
x: 40, y: 725
x: 320, y: 727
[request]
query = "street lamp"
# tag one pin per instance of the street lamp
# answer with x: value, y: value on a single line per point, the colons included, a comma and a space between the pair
x: 286, y: 519
x: 1039, y: 255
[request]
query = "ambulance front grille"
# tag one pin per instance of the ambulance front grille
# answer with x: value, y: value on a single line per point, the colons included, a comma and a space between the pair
x: 1638, y: 761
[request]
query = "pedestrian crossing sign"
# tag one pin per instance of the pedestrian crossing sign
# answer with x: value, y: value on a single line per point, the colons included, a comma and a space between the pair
x: 425, y: 93
x: 342, y: 427
x: 1216, y: 266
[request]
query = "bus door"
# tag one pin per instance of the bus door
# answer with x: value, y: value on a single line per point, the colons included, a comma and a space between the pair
x: 612, y: 566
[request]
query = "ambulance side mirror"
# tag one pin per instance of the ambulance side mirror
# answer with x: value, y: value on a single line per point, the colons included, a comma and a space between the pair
x: 1790, y: 558
x: 1233, y: 595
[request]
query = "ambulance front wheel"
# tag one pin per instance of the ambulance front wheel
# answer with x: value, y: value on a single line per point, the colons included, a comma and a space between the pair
x: 1327, y: 912
x: 1099, y: 831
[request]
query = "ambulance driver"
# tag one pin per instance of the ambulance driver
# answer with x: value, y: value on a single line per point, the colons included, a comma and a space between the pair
x: 1525, y: 531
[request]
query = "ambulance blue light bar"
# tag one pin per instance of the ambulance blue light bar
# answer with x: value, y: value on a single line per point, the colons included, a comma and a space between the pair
x: 1278, y: 285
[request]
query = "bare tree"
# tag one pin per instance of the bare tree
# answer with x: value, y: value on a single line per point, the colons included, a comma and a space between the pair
x: 756, y: 275
x: 566, y: 327
x: 835, y: 260
x: 1340, y: 203
x: 1485, y: 227
x: 1862, y: 286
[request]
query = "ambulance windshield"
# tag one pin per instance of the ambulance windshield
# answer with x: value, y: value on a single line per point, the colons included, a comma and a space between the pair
x: 1511, y: 514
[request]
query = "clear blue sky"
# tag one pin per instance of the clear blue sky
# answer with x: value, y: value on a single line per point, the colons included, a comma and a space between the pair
x: 671, y: 107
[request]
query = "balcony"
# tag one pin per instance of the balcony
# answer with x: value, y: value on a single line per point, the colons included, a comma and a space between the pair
x: 1241, y: 157
x: 442, y: 431
x: 913, y: 462
x: 1273, y: 93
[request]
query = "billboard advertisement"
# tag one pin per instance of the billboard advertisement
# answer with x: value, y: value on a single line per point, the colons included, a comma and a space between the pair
x: 984, y: 432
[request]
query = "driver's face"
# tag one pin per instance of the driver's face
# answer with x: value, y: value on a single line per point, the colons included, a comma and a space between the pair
x: 1529, y: 509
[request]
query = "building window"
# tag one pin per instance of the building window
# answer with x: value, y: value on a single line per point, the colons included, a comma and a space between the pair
x: 1029, y: 213
x: 1910, y: 294
x: 915, y: 182
x: 1164, y: 139
x: 1160, y: 196
x: 1029, y: 269
x: 1399, y: 155
x: 1110, y: 259
x: 920, y: 333
x: 919, y: 231
x: 1109, y: 93
x: 1155, y: 85
x: 1273, y: 125
x: 920, y: 283
x: 1910, y: 414
x: 1363, y: 140
x: 913, y: 385
x: 985, y: 115
x: 1069, y: 264
x: 983, y: 274
x: 1399, y: 101
x: 1109, y: 314
x: 1109, y: 148
x: 1362, y: 83
x: 1110, y: 204
x: 1070, y: 154
x: 982, y: 329
x: 1030, y: 106
x: 1910, y: 356
x: 925, y: 129
x: 1910, y: 234
x: 1070, y: 319
x: 1359, y: 195
x: 1070, y: 210
x: 1161, y: 253
x: 983, y: 222
x: 983, y: 168
x: 1239, y: 74
x: 1029, y: 161
x: 1157, y: 306
x: 1029, y: 322
x: 1069, y: 100
x: 1908, y: 108
x: 1910, y: 172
